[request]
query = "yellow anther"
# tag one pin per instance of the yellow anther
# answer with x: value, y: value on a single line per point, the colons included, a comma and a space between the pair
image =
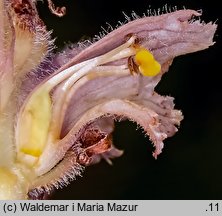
x: 34, y: 124
x: 148, y: 66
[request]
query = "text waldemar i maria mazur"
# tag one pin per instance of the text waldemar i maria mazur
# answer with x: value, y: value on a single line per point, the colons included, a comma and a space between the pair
x: 26, y: 207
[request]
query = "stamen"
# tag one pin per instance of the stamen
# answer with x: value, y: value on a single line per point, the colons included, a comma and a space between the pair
x: 76, y: 72
x: 62, y: 100
x: 37, y: 114
x: 123, y: 51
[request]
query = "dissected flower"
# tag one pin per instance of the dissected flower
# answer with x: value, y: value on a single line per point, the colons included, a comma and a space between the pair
x: 57, y: 111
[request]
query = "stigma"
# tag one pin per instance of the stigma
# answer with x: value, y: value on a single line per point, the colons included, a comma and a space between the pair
x: 146, y: 63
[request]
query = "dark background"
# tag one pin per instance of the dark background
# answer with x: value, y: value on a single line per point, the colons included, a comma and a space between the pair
x: 191, y: 162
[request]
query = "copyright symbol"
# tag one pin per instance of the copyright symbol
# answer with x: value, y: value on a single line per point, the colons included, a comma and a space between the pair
x: 9, y: 208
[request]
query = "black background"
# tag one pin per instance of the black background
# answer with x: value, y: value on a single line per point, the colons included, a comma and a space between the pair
x: 191, y: 162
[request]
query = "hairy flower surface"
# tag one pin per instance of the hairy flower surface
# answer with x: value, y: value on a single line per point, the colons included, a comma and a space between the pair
x: 57, y: 111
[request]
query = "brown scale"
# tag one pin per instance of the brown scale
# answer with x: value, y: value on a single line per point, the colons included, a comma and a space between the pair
x: 133, y: 67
